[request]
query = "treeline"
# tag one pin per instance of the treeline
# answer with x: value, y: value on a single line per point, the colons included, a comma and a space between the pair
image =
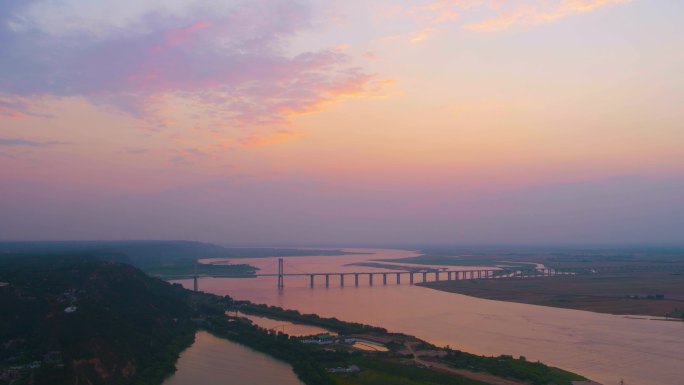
x: 534, y: 373
x: 332, y: 324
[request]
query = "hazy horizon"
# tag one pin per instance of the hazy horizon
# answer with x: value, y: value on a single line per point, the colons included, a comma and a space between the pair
x: 315, y: 122
x: 398, y: 246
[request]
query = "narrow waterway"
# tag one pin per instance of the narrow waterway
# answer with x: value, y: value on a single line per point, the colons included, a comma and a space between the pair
x: 216, y: 361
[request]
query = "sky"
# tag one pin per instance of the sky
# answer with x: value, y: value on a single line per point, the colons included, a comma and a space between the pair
x: 288, y: 122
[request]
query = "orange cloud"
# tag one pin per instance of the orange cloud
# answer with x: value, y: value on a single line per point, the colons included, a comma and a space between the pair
x: 499, y: 14
x: 423, y: 35
x: 279, y: 136
x: 532, y: 13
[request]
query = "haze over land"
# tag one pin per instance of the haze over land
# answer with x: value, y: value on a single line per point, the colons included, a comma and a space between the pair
x: 295, y: 122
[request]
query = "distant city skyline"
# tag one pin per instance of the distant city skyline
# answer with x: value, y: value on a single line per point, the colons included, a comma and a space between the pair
x: 349, y: 123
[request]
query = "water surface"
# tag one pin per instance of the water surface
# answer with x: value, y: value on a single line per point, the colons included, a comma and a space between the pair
x: 216, y: 361
x: 602, y: 347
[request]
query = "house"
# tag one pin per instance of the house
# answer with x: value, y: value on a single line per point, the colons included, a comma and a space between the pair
x: 348, y: 369
x: 320, y: 339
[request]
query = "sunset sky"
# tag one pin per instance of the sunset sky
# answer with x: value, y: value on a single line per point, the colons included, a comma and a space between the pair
x: 352, y: 122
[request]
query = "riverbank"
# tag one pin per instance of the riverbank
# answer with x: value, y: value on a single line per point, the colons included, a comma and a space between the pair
x: 658, y: 293
x: 407, y: 359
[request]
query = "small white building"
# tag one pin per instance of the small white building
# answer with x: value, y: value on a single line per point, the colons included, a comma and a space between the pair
x: 348, y: 369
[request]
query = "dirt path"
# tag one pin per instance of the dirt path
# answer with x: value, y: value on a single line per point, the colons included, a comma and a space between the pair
x: 478, y: 376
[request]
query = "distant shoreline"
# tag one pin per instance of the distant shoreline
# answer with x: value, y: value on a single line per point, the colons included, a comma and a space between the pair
x: 634, y: 293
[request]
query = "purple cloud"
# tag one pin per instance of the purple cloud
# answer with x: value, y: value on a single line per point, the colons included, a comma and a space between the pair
x: 17, y: 142
x: 231, y: 65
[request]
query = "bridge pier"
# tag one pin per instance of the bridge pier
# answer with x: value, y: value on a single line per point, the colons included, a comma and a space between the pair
x: 311, y: 281
x: 356, y: 279
x: 411, y: 278
x: 327, y: 280
x: 341, y: 280
x: 437, y: 276
x: 479, y: 274
x: 398, y: 278
x: 370, y: 279
x: 281, y: 276
x: 472, y: 274
x: 195, y: 283
x: 384, y: 278
x: 424, y: 276
x: 448, y: 276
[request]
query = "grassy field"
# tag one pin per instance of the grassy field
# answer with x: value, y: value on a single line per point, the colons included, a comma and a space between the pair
x: 603, y: 293
x: 558, y: 257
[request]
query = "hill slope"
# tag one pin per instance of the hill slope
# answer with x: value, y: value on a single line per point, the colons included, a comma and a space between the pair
x: 80, y: 320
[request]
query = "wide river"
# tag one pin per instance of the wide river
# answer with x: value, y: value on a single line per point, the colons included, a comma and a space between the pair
x: 605, y: 348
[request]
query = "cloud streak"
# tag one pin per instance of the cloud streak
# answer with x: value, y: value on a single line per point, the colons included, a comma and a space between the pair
x: 18, y: 142
x: 536, y: 12
x: 497, y: 15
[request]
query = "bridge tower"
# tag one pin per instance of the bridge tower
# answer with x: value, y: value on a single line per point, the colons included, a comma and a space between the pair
x: 195, y: 283
x: 281, y: 281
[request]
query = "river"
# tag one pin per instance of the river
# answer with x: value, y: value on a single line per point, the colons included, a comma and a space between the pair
x: 602, y: 347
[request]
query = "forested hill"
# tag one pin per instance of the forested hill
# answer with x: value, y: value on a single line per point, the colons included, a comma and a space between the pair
x: 81, y: 320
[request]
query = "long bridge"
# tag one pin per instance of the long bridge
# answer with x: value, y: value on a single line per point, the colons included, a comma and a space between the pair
x: 421, y: 276
x: 373, y: 277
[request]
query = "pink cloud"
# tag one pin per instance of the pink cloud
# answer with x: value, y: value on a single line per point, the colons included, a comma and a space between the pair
x: 17, y: 108
x: 230, y: 67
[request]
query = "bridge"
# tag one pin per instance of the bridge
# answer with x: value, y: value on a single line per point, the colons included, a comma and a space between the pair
x: 374, y: 277
x: 420, y: 276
